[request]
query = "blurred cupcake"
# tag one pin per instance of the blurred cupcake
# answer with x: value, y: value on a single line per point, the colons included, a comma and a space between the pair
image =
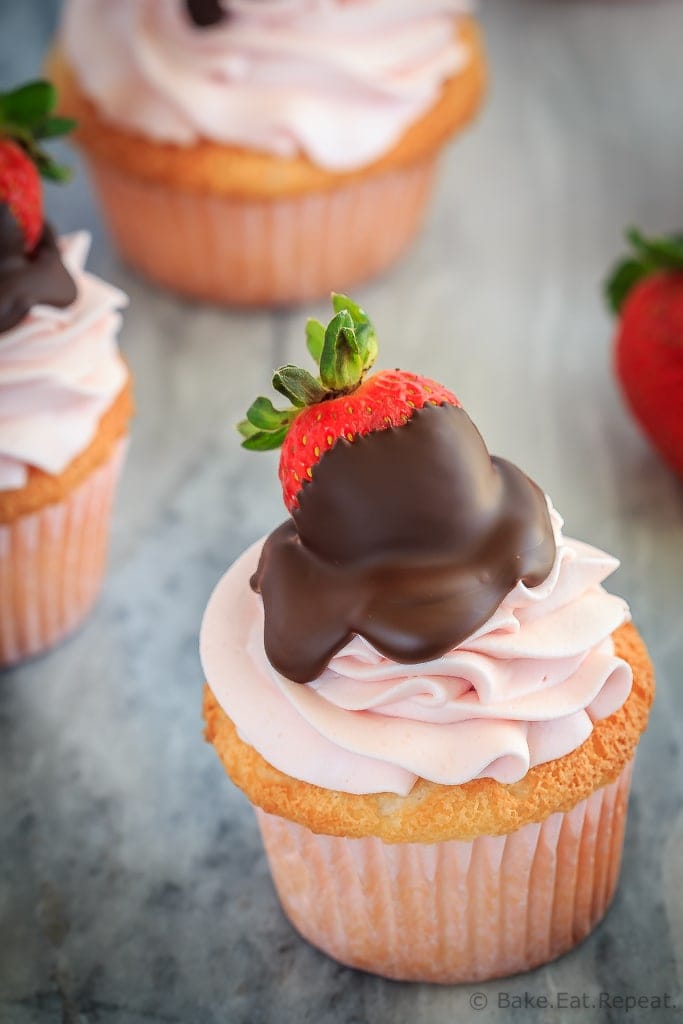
x: 260, y: 153
x: 65, y: 403
x: 421, y: 685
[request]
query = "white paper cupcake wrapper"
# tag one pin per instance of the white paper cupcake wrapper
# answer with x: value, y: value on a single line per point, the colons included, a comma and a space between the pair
x: 264, y: 252
x: 453, y: 911
x: 52, y: 563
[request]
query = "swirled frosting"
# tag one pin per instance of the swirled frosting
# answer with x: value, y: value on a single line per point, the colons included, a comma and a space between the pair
x: 524, y: 689
x: 339, y: 80
x: 60, y: 369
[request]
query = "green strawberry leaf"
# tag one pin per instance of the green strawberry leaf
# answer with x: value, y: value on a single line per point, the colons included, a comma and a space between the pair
x: 29, y: 103
x: 298, y: 385
x: 343, y: 302
x: 247, y: 429
x: 262, y: 415
x: 49, y: 169
x: 625, y: 275
x: 315, y: 339
x: 662, y: 253
x: 265, y: 427
x: 265, y: 441
x: 53, y: 127
x: 650, y: 256
x: 341, y: 364
x: 368, y: 344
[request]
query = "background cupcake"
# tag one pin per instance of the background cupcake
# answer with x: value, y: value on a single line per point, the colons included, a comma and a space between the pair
x: 65, y: 402
x: 264, y: 153
x: 421, y: 684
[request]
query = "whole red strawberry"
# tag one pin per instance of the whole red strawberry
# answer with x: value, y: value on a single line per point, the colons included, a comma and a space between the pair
x: 646, y: 290
x: 341, y: 402
x: 25, y: 118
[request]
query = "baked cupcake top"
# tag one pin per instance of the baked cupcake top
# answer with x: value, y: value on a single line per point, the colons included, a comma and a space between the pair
x: 59, y: 361
x: 337, y: 80
x: 421, y: 614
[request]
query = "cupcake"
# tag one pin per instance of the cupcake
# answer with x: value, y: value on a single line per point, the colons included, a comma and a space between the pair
x: 420, y: 684
x: 260, y: 153
x: 65, y: 401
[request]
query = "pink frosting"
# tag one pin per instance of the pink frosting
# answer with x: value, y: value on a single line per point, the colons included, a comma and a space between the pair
x: 60, y: 369
x: 340, y: 80
x: 524, y: 689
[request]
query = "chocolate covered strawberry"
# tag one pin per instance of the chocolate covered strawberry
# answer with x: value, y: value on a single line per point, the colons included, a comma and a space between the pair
x: 21, y: 191
x: 646, y: 290
x: 26, y: 119
x: 402, y: 528
x: 341, y: 402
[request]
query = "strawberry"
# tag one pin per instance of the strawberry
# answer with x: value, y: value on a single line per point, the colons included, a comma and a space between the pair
x: 25, y: 118
x: 341, y: 403
x: 20, y: 189
x: 646, y: 290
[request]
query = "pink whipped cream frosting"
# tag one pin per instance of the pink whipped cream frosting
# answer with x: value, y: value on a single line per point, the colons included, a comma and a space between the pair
x: 60, y: 369
x: 340, y: 80
x: 524, y: 689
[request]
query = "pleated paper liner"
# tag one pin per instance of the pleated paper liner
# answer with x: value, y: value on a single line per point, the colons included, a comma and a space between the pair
x: 52, y: 564
x: 259, y: 253
x: 453, y: 911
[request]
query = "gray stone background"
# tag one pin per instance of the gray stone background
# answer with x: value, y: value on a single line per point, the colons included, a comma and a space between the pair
x: 133, y: 888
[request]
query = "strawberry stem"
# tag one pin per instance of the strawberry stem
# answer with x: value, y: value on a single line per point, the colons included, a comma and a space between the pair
x: 343, y: 352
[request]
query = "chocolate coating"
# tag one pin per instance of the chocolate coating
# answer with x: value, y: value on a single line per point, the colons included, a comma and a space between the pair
x: 410, y: 537
x: 205, y: 13
x: 29, y: 279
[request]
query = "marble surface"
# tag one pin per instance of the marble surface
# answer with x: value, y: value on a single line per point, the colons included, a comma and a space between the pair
x: 133, y: 888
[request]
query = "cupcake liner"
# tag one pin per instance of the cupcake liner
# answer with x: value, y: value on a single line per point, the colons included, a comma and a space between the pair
x: 453, y: 911
x: 52, y: 564
x: 246, y: 252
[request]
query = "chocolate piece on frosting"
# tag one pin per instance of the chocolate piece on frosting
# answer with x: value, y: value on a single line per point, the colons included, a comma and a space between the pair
x: 410, y: 537
x: 205, y: 13
x: 27, y: 279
